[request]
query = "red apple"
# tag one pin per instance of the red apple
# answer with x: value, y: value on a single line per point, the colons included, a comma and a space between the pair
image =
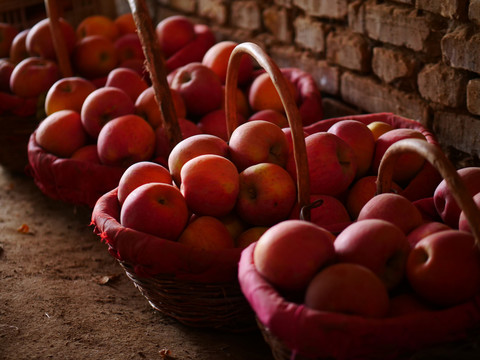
x: 444, y: 201
x: 128, y: 80
x: 290, y: 253
x: 215, y: 123
x: 97, y: 25
x: 424, y: 230
x: 157, y: 209
x: 206, y: 233
x: 199, y: 87
x: 376, y: 244
x: 463, y: 223
x: 125, y: 140
x: 68, y: 93
x: 8, y: 32
x: 263, y: 95
x: 356, y: 134
x: 393, y: 208
x: 125, y: 24
x: 273, y: 116
x: 233, y: 223
x: 18, y: 48
x: 61, y: 133
x: 142, y: 172
x: 444, y: 268
x: 129, y: 47
x: 350, y: 289
x: 210, y: 185
x: 6, y: 69
x: 191, y: 147
x: 173, y: 33
x: 88, y: 153
x: 406, y: 303
x: 94, y: 56
x: 249, y: 236
x: 379, y: 128
x: 258, y: 141
x: 331, y: 161
x: 267, y: 194
x: 102, y: 105
x: 33, y: 76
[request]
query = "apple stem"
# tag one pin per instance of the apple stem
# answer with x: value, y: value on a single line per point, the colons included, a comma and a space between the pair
x: 288, y: 101
x: 155, y: 63
x: 433, y: 154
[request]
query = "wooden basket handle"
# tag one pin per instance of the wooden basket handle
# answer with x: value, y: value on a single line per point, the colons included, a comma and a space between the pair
x: 291, y: 110
x: 447, y: 170
x: 63, y: 57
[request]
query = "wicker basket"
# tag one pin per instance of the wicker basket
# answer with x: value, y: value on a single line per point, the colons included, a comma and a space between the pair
x: 294, y: 331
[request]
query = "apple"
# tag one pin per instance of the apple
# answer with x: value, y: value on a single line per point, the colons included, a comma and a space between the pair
x: 173, y: 33
x: 243, y: 108
x: 68, y: 93
x: 326, y: 211
x: 39, y: 40
x: 8, y: 32
x: 393, y: 208
x: 216, y: 58
x: 125, y: 140
x: 267, y: 194
x: 406, y: 303
x: 206, y: 233
x: 233, y: 223
x: 61, y: 133
x: 348, y: 288
x: 147, y: 107
x: 444, y: 268
x: 262, y: 94
x: 288, y: 133
x: 33, y: 76
x: 258, y: 141
x: 6, y: 69
x: 94, y: 56
x: 446, y: 205
x: 379, y: 128
x: 128, y: 47
x: 290, y: 253
x: 273, y: 116
x: 155, y: 208
x: 88, y: 153
x: 408, y: 164
x: 125, y: 24
x: 424, y: 230
x: 199, y: 87
x: 194, y: 146
x: 249, y: 236
x: 102, y: 105
x: 210, y: 185
x: 142, y: 172
x: 128, y: 80
x: 376, y: 244
x: 139, y: 66
x: 18, y: 49
x: 361, y: 191
x: 356, y: 134
x: 331, y: 161
x: 97, y: 25
x: 215, y: 123
x: 463, y: 223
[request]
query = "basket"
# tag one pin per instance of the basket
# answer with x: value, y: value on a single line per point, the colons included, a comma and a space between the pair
x: 197, y: 288
x: 294, y: 331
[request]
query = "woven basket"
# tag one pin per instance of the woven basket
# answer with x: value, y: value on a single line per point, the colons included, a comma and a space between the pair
x: 294, y: 331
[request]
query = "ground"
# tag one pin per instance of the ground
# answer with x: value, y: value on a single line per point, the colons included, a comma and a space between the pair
x: 62, y: 296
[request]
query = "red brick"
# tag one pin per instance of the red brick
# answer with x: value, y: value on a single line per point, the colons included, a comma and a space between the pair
x: 474, y: 11
x: 348, y: 49
x: 461, y: 48
x: 187, y: 6
x: 458, y: 131
x: 374, y: 97
x: 276, y: 21
x: 246, y: 15
x: 334, y: 9
x: 443, y: 85
x: 403, y: 26
x: 215, y: 10
x: 453, y: 9
x: 473, y: 96
x: 310, y: 34
x: 409, y: 2
x: 284, y: 3
x: 392, y: 64
x: 356, y: 16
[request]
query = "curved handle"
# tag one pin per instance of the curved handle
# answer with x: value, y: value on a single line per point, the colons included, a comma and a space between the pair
x: 291, y: 110
x: 433, y: 154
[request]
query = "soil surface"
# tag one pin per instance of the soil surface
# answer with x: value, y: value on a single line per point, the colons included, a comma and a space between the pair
x: 62, y: 296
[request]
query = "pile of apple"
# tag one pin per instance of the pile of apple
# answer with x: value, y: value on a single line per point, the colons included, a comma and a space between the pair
x: 391, y: 259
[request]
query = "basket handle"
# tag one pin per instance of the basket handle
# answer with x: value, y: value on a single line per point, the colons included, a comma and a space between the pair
x: 291, y: 110
x: 63, y: 57
x: 438, y: 159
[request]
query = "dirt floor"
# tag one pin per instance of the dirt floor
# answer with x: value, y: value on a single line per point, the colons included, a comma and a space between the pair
x: 62, y: 296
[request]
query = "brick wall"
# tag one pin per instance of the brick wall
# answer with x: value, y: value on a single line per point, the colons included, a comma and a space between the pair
x: 416, y: 58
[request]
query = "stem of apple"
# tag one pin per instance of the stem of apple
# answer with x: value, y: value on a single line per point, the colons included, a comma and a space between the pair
x: 447, y: 170
x: 291, y: 110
